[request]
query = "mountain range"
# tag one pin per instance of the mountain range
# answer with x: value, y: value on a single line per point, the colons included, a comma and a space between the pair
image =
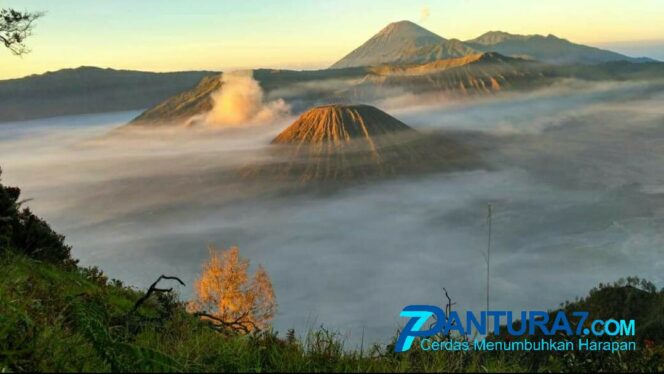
x: 401, y: 58
x: 406, y: 58
x: 478, y: 74
x: 405, y: 42
x: 87, y: 89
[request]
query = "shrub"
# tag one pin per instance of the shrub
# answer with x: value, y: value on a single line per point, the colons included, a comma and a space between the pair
x: 26, y: 233
x: 230, y: 296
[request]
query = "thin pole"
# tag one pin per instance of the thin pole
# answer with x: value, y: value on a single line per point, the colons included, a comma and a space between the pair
x: 488, y: 255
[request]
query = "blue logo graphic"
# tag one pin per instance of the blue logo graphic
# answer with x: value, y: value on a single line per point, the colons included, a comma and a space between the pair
x: 532, y: 322
x: 419, y: 315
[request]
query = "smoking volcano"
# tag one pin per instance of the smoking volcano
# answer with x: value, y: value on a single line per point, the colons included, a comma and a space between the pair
x: 343, y: 143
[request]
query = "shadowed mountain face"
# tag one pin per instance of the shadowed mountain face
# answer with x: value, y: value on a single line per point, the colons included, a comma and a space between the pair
x: 88, y: 90
x: 355, y: 143
x: 550, y: 49
x: 187, y: 105
x: 180, y: 108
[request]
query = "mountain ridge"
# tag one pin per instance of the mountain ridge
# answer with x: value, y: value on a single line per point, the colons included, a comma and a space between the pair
x: 392, y: 43
x: 483, y: 73
x: 482, y: 68
x: 406, y: 42
x: 550, y: 49
x: 443, y: 64
x: 88, y: 89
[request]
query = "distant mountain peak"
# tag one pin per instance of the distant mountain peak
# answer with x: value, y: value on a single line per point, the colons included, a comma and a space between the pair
x: 402, y: 23
x: 546, y: 48
x: 408, y: 29
x: 395, y: 42
x: 495, y: 37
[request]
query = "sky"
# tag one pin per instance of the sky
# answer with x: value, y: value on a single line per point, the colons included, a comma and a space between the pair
x: 157, y: 35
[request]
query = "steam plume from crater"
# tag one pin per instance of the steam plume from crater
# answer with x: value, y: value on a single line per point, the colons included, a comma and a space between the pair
x: 240, y: 101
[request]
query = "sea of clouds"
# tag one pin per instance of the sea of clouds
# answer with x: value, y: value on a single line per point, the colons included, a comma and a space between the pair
x: 575, y: 175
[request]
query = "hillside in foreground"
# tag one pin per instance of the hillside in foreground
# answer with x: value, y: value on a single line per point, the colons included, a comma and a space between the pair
x: 56, y: 316
x: 58, y: 320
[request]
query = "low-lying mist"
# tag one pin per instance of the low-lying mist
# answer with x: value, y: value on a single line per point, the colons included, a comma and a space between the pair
x: 575, y: 175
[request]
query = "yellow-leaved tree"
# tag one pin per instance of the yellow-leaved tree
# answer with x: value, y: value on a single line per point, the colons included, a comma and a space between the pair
x: 228, y: 297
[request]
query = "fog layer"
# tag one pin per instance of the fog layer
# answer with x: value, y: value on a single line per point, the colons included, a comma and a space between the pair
x: 575, y: 175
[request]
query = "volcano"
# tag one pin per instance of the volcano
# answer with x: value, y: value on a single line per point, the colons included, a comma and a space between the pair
x: 340, y: 124
x: 403, y: 42
x: 345, y: 143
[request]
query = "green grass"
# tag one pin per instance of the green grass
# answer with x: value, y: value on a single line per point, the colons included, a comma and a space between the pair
x: 52, y: 319
x: 57, y: 320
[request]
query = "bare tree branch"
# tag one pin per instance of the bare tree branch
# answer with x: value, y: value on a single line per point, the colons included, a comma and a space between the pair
x: 242, y: 323
x: 15, y: 27
x: 153, y: 288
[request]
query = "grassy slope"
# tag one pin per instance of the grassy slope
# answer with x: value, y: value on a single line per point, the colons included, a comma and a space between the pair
x: 57, y: 320
x: 74, y: 320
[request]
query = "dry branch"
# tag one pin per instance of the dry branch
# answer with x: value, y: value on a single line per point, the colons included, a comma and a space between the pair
x: 239, y: 324
x: 153, y: 288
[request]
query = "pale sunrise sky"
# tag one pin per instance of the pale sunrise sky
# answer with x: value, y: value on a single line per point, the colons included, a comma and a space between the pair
x: 220, y: 35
